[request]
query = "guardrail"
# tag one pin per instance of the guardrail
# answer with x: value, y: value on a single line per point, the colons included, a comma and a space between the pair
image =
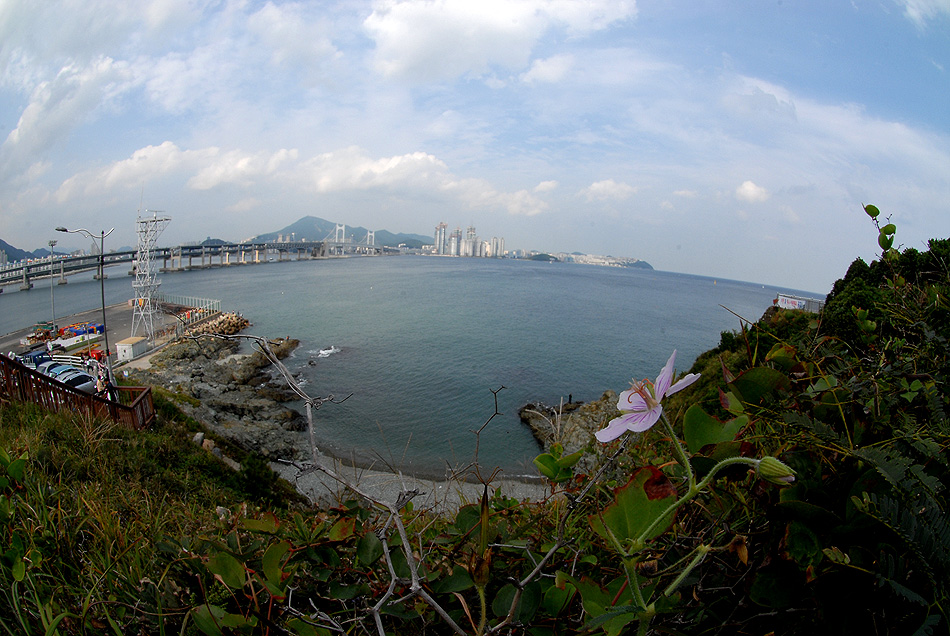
x: 134, y: 408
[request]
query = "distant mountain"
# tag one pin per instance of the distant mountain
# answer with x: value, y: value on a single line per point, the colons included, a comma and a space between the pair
x: 312, y: 228
x: 15, y: 254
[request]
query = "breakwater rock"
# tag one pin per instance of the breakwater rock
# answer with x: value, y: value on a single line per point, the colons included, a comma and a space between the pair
x: 225, y: 324
x: 236, y: 395
x: 572, y: 425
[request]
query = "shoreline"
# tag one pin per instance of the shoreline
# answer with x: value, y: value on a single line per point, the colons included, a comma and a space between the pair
x: 438, y: 495
x: 442, y: 489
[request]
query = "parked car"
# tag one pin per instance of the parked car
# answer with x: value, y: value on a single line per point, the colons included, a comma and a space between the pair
x: 51, y: 366
x: 79, y: 380
x: 68, y: 374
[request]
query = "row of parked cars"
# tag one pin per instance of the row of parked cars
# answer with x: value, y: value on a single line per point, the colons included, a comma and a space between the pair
x: 73, y: 376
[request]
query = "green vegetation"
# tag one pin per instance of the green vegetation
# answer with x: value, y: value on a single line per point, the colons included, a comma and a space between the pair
x: 694, y: 527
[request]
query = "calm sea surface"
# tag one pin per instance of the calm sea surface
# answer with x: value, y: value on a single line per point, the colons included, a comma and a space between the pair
x: 424, y: 341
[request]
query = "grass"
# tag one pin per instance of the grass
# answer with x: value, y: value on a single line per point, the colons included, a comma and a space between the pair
x: 88, y: 519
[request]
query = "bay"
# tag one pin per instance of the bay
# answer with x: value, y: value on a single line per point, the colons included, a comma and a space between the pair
x: 424, y: 342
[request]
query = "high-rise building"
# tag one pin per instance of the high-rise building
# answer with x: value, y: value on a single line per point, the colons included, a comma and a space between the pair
x: 469, y: 246
x: 440, y: 238
x: 497, y: 248
x: 455, y: 242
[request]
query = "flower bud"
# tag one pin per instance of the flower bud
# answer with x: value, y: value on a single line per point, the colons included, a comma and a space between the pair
x: 774, y: 471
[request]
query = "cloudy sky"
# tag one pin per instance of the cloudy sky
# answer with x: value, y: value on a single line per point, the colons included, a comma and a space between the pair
x: 735, y: 139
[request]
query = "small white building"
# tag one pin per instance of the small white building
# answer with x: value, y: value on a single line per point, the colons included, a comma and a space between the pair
x: 787, y: 301
x: 131, y: 348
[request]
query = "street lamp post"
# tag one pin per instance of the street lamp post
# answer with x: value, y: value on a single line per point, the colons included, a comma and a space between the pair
x: 102, y: 290
x: 52, y: 305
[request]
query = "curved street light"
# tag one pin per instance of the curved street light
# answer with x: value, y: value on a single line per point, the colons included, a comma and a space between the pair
x: 52, y: 303
x: 102, y: 290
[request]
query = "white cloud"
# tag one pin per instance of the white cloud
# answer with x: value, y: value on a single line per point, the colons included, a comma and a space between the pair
x: 790, y: 215
x: 292, y: 36
x: 921, y: 11
x: 546, y: 186
x: 442, y: 39
x: 608, y: 190
x: 245, y: 205
x: 240, y: 168
x: 751, y: 193
x: 548, y: 71
x: 145, y: 165
x: 55, y: 107
x: 351, y: 169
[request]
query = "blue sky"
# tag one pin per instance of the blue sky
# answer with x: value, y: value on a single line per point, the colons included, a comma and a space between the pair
x: 730, y: 139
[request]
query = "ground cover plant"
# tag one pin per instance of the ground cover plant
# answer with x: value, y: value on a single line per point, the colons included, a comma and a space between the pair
x: 793, y: 481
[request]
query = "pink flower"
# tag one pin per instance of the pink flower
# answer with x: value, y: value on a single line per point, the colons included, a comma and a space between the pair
x: 641, y: 404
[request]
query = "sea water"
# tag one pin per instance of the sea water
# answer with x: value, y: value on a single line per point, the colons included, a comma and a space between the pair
x: 421, y: 347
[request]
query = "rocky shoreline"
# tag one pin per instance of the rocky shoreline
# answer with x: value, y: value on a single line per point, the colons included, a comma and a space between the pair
x: 236, y: 395
x: 572, y: 425
x: 240, y: 397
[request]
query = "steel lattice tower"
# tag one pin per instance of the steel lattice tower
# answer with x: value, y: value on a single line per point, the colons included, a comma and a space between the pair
x: 146, y: 279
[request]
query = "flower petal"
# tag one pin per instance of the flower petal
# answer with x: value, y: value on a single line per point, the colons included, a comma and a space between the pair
x: 639, y: 422
x: 683, y: 382
x: 663, y: 380
x: 630, y: 400
x: 614, y: 429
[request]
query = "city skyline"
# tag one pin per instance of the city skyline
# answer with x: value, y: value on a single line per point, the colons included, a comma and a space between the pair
x: 717, y: 138
x: 452, y: 244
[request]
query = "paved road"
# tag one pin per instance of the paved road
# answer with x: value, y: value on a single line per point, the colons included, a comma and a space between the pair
x: 118, y: 325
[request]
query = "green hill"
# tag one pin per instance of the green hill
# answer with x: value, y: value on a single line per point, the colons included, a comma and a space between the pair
x: 312, y: 228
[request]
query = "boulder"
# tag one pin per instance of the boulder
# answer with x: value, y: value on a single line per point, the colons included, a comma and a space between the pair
x: 571, y: 425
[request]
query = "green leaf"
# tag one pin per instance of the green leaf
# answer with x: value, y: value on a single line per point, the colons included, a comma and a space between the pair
x: 753, y: 385
x: 701, y: 429
x: 569, y: 460
x: 230, y: 570
x: 207, y: 618
x: 803, y: 545
x: 527, y: 605
x: 458, y: 581
x: 19, y: 570
x: 645, y: 499
x: 302, y: 628
x: 783, y: 355
x: 547, y: 465
x: 271, y: 564
x: 342, y: 529
x: 341, y: 592
x: 872, y: 211
x: 885, y: 241
x: 557, y: 469
x: 16, y: 469
x: 265, y: 525
x: 369, y: 548
x: 889, y: 229
x: 730, y: 402
x: 557, y: 598
x: 467, y: 518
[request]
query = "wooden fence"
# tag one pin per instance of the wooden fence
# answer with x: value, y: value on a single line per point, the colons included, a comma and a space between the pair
x: 134, y: 408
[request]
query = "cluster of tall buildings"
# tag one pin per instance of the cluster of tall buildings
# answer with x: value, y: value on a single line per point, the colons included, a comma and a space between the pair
x: 454, y: 244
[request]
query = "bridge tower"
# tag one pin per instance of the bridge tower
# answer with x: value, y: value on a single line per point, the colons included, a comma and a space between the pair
x: 146, y: 280
x: 339, y: 236
x: 370, y: 238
